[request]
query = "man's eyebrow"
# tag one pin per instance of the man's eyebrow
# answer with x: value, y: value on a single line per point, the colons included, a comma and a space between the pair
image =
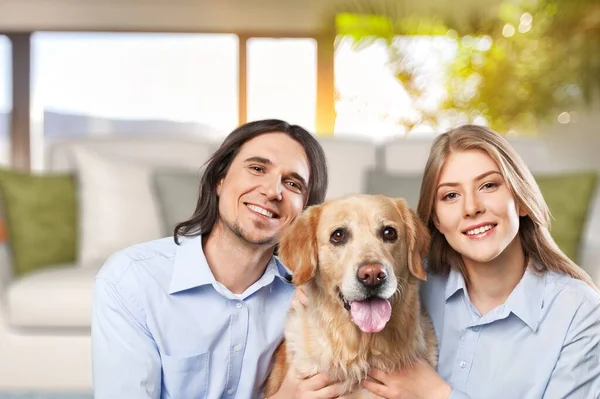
x: 266, y: 161
x: 262, y: 160
x: 481, y: 176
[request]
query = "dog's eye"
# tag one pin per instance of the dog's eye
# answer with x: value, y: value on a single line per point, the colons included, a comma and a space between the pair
x: 389, y: 234
x: 338, y: 237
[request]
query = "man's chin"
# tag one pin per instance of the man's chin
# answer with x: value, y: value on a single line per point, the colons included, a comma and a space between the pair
x: 266, y: 242
x: 258, y: 239
x: 254, y: 235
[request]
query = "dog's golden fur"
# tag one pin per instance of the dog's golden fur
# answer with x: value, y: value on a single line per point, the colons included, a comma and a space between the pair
x: 322, y: 337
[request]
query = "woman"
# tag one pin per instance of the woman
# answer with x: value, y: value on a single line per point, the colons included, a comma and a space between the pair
x: 515, y: 318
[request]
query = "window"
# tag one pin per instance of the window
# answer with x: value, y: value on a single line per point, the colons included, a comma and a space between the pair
x: 5, y: 98
x: 282, y: 80
x: 129, y: 83
x: 371, y: 99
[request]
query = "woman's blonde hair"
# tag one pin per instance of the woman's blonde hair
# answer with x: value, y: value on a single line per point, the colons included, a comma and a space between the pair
x: 538, y: 245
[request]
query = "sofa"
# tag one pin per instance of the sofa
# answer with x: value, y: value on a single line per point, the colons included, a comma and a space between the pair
x: 124, y: 190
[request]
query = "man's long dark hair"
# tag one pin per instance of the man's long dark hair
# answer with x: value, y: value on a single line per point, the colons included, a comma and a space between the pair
x: 207, y: 208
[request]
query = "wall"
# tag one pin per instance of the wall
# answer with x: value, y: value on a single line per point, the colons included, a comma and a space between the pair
x: 204, y: 15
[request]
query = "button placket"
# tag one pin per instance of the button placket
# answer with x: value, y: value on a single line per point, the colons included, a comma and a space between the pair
x: 465, y: 355
x: 238, y: 336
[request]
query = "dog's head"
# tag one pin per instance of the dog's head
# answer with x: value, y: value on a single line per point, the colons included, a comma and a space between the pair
x: 358, y: 250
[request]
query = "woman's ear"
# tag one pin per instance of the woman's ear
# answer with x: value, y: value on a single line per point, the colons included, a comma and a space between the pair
x: 298, y: 246
x: 436, y: 221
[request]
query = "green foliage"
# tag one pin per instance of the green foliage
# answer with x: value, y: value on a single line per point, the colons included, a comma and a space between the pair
x: 517, y: 67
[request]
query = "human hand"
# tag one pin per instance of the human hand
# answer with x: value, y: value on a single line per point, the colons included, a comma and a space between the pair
x: 300, y: 299
x: 418, y: 382
x: 318, y: 386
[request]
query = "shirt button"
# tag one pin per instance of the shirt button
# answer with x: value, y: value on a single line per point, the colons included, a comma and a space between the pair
x: 237, y: 348
x: 229, y: 391
x: 463, y: 364
x: 477, y: 328
x: 239, y: 305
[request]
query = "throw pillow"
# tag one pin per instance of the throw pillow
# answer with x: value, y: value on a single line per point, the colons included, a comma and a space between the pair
x: 40, y: 213
x: 116, y: 205
x: 569, y: 197
x: 177, y: 194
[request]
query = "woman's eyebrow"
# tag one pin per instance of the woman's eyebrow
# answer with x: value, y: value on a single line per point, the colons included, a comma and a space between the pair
x: 481, y: 176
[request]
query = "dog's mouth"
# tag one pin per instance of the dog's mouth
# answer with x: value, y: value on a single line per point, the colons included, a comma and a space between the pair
x: 370, y: 314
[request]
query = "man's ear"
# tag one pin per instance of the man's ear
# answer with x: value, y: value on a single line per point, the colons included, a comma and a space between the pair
x: 418, y: 239
x: 219, y: 186
x: 298, y: 247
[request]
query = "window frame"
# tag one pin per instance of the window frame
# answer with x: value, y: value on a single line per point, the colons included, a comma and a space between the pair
x: 20, y: 126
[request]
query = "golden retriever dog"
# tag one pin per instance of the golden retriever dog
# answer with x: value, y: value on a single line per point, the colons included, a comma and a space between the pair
x: 359, y: 259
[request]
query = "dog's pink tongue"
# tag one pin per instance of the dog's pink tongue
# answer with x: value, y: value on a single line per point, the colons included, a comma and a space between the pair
x: 371, y: 315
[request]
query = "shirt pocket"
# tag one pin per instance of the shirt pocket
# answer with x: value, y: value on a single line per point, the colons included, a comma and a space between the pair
x: 185, y: 377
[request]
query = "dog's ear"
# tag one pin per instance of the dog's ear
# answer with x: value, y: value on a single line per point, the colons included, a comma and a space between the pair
x: 418, y: 239
x: 298, y: 246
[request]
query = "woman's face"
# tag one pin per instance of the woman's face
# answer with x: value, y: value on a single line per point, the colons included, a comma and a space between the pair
x: 475, y: 209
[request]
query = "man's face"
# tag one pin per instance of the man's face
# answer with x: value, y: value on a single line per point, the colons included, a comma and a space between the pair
x: 264, y: 190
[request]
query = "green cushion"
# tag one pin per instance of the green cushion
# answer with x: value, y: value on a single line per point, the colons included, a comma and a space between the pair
x: 569, y: 197
x: 40, y: 216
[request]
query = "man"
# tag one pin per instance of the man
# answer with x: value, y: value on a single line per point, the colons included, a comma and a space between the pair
x: 200, y: 315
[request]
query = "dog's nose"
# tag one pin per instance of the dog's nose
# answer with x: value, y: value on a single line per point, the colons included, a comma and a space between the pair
x: 372, y: 274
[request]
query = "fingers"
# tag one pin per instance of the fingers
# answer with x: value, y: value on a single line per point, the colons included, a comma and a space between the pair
x: 316, y: 382
x: 319, y: 386
x: 375, y: 387
x: 375, y: 382
x: 377, y: 375
x: 331, y: 391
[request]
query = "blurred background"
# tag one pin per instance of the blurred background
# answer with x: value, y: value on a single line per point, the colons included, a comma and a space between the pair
x: 108, y: 109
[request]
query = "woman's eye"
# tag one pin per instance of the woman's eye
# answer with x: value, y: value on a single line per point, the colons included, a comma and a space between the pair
x: 449, y: 196
x: 490, y: 185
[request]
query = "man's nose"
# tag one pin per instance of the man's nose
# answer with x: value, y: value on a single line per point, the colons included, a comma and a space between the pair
x: 272, y: 188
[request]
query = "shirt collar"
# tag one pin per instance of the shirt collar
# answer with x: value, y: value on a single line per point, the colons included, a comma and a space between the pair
x: 191, y: 270
x: 527, y: 299
x: 455, y: 283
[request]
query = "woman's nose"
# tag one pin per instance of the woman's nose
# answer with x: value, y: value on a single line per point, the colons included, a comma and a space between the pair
x: 473, y: 205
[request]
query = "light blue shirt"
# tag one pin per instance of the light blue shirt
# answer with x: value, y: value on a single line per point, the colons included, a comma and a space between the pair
x: 163, y: 327
x: 543, y: 342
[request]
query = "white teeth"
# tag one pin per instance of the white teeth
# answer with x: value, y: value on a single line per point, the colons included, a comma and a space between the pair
x: 261, y: 211
x: 479, y: 230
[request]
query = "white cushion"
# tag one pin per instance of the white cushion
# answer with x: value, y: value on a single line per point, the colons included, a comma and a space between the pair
x: 116, y: 205
x: 117, y: 202
x: 57, y: 297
